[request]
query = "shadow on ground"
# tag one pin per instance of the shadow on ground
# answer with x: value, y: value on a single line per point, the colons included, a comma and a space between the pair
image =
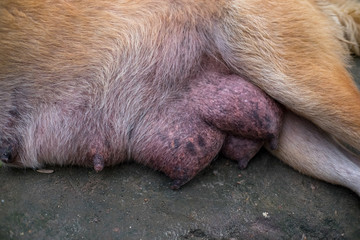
x: 268, y: 200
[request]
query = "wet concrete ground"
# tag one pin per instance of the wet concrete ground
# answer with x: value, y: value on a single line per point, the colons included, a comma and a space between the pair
x: 268, y: 200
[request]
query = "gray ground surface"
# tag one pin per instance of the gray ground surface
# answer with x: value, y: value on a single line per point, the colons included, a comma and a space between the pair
x: 268, y: 200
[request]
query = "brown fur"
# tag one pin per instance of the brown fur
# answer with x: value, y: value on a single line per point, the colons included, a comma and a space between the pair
x: 84, y: 77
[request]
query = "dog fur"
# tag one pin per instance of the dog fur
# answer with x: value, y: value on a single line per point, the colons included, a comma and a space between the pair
x: 67, y: 64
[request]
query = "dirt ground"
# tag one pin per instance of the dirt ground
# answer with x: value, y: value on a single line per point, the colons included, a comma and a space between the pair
x: 268, y: 200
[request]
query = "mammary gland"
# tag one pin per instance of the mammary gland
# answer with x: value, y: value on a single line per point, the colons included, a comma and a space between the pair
x: 170, y: 84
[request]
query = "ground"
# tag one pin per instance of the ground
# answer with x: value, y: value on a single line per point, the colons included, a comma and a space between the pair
x: 268, y: 200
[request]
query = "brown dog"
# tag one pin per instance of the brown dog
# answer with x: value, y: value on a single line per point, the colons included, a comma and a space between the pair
x: 98, y: 83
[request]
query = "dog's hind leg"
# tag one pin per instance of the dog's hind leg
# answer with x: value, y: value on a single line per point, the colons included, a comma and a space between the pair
x: 290, y: 49
x: 310, y: 150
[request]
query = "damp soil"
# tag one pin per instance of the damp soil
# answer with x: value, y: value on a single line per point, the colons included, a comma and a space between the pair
x: 267, y: 200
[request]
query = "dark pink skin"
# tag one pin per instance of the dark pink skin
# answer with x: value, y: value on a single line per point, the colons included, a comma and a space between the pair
x: 214, y: 112
x: 241, y: 149
x: 7, y: 152
x: 220, y: 113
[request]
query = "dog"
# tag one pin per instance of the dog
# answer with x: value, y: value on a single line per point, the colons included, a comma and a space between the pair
x: 99, y: 83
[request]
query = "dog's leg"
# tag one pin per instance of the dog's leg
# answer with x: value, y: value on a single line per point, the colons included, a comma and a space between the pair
x: 310, y: 150
x: 290, y: 50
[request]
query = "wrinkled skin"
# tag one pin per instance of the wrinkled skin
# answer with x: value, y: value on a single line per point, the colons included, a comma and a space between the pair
x: 220, y: 112
x: 216, y: 112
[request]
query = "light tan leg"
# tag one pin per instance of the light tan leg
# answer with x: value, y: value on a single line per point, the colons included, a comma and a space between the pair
x: 290, y: 49
x: 310, y: 150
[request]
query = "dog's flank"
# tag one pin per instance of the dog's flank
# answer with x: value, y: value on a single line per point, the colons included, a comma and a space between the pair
x: 98, y: 83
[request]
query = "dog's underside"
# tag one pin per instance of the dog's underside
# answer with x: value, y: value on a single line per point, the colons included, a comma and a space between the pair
x: 99, y: 83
